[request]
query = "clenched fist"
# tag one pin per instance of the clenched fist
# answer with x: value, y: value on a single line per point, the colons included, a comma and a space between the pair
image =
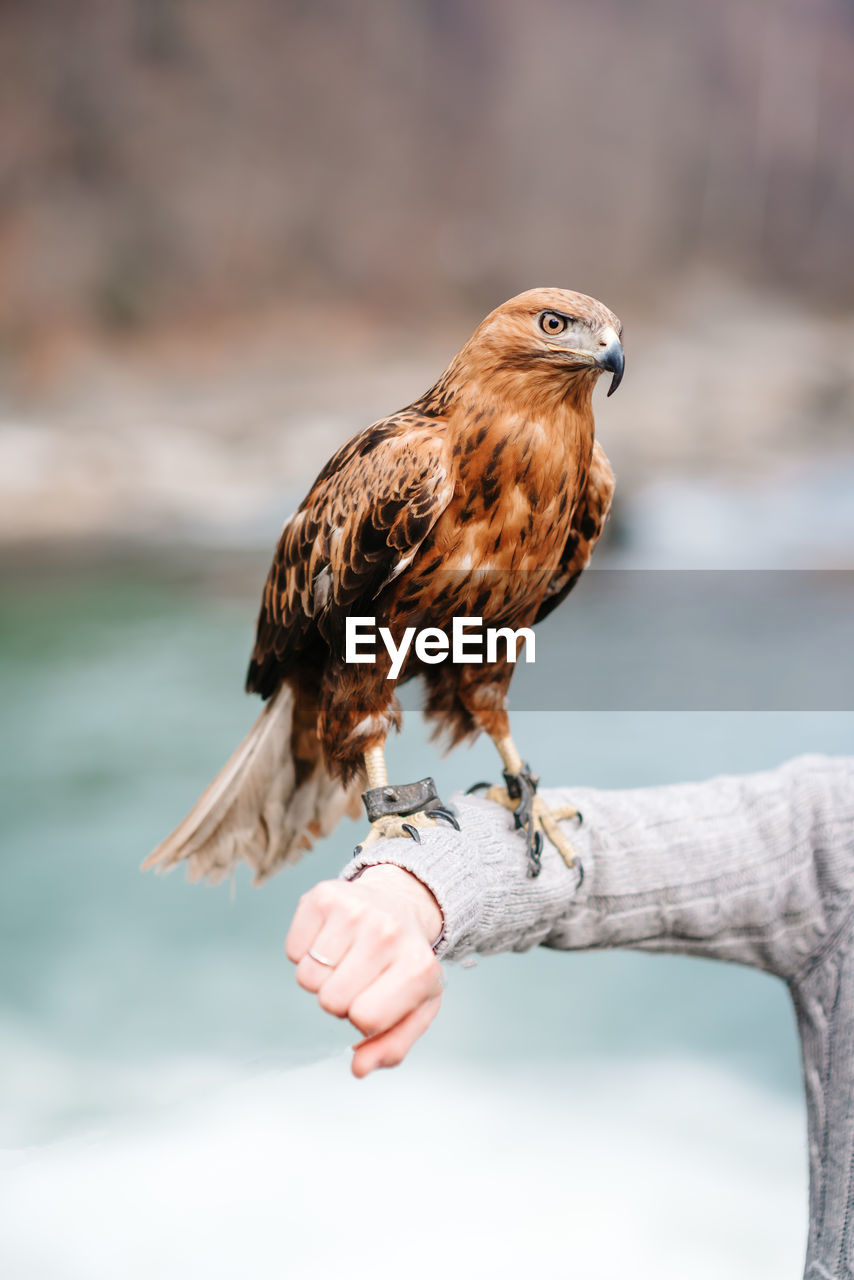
x: 365, y: 948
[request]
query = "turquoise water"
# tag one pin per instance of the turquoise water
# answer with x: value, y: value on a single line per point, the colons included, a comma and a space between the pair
x: 125, y: 993
x: 122, y: 695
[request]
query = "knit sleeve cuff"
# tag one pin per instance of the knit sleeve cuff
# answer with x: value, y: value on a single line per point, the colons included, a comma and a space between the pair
x: 478, y: 876
x: 443, y: 865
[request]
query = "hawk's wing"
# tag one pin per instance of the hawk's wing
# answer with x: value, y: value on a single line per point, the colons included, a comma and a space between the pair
x: 360, y: 525
x: 590, y: 515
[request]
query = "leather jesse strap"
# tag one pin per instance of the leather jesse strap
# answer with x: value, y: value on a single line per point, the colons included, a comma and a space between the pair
x: 399, y: 798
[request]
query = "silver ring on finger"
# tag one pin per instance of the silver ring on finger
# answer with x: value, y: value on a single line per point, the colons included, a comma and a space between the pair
x: 327, y: 964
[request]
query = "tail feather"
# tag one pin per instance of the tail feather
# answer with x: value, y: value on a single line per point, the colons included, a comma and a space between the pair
x: 254, y: 810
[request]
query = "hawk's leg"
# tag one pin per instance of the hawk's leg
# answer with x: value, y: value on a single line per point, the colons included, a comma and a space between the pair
x: 399, y: 809
x: 529, y: 810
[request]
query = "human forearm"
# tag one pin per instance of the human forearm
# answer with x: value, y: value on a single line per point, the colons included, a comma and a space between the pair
x: 735, y: 868
x: 757, y: 869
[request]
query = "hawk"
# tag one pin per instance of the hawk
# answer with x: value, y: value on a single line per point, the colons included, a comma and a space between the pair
x: 484, y: 498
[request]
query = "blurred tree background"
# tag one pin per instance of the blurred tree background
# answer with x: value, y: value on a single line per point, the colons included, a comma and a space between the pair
x: 232, y: 234
x: 170, y: 158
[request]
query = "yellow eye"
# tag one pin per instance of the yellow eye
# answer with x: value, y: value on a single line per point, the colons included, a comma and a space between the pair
x: 552, y: 323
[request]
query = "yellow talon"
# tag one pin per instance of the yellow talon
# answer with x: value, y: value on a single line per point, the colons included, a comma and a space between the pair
x: 544, y: 819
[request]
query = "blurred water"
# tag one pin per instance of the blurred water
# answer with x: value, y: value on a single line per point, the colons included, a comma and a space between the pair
x: 796, y: 514
x: 495, y: 1173
x: 156, y: 1053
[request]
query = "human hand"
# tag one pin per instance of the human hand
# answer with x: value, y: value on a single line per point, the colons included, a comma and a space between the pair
x: 374, y: 938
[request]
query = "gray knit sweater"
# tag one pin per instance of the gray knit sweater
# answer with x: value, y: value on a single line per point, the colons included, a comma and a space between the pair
x: 758, y: 869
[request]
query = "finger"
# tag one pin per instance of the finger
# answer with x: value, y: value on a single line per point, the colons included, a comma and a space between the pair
x: 389, y: 1048
x: 374, y: 950
x: 331, y: 905
x: 337, y: 934
x: 308, y: 919
x: 312, y: 974
x: 407, y: 983
x: 345, y: 923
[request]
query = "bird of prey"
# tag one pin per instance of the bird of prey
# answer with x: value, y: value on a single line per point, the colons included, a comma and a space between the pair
x: 483, y: 498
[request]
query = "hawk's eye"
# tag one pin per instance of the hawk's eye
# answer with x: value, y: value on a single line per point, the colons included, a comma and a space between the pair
x: 551, y: 323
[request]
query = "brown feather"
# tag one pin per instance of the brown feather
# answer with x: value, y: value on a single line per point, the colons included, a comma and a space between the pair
x: 484, y: 498
x: 257, y: 809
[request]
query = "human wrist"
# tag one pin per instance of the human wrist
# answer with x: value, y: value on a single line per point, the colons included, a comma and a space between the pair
x: 404, y: 894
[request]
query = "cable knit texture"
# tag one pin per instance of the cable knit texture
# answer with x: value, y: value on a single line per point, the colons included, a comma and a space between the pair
x: 758, y: 869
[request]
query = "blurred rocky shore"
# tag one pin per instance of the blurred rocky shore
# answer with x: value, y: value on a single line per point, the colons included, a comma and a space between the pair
x: 231, y: 236
x: 211, y: 435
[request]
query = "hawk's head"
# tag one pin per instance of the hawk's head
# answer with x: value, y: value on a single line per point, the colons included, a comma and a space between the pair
x: 552, y: 334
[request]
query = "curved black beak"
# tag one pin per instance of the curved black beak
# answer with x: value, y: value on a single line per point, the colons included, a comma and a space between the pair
x: 613, y: 359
